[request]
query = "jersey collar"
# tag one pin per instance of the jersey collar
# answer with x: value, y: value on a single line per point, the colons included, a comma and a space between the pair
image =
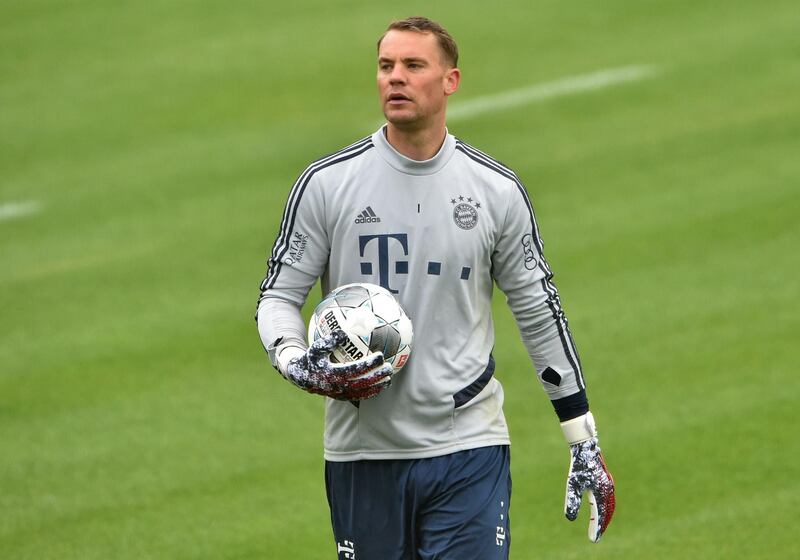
x: 412, y: 166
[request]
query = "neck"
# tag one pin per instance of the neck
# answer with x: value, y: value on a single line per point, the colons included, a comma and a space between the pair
x: 417, y: 144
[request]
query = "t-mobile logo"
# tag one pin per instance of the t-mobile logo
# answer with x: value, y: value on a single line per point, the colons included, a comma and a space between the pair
x: 400, y: 266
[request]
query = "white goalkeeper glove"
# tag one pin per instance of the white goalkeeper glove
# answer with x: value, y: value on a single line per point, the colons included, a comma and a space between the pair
x: 313, y: 371
x: 588, y: 472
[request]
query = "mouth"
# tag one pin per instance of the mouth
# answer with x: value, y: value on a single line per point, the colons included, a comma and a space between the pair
x: 397, y: 98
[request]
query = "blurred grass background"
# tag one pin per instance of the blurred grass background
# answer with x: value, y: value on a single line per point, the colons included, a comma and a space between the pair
x: 139, y: 417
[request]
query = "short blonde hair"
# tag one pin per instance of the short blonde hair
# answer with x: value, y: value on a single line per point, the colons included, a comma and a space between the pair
x: 420, y: 24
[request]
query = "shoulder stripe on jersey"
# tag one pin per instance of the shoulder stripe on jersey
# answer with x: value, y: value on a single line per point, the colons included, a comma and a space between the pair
x: 290, y: 212
x: 507, y: 172
x: 297, y: 188
x: 553, y: 300
x: 494, y: 165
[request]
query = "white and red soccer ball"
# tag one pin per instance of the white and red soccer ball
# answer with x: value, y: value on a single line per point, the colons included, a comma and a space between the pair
x: 371, y: 317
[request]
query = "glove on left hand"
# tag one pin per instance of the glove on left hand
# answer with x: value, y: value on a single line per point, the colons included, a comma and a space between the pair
x: 315, y: 373
x: 587, y: 471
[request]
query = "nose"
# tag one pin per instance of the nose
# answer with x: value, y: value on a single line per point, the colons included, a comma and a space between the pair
x: 397, y: 75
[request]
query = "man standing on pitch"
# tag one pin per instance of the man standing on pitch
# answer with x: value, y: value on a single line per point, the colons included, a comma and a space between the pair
x: 422, y: 469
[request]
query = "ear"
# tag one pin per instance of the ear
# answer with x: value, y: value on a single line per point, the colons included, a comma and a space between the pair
x: 452, y: 79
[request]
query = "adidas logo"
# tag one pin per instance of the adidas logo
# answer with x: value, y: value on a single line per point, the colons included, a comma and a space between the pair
x: 368, y: 216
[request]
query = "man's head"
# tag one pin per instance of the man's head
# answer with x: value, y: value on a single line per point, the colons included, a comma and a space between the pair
x: 417, y: 71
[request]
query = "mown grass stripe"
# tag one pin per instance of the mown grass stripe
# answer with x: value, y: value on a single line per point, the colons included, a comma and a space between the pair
x: 12, y: 210
x: 548, y: 90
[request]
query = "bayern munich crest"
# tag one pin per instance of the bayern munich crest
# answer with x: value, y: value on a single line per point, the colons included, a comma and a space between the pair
x: 465, y: 211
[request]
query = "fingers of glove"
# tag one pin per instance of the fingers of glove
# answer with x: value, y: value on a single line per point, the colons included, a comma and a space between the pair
x: 605, y: 501
x: 370, y: 392
x: 368, y: 385
x: 360, y: 394
x: 380, y: 377
x: 323, y: 346
x: 594, y: 519
x: 602, y: 512
x: 572, y: 499
x: 318, y: 390
x: 354, y: 388
x: 360, y: 367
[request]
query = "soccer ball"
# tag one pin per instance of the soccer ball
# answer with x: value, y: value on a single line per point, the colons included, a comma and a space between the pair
x: 372, y: 319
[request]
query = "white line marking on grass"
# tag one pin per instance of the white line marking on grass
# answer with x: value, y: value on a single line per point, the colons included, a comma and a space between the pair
x: 547, y: 90
x: 11, y: 210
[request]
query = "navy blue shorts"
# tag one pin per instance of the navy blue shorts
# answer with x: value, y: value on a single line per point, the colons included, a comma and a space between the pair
x: 453, y: 507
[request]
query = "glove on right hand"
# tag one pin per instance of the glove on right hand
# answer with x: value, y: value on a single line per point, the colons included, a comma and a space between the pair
x: 314, y: 372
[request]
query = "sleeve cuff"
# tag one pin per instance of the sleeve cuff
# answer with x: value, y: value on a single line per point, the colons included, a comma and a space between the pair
x: 571, y: 406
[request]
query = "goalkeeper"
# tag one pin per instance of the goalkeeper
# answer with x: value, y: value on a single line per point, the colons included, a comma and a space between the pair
x: 417, y: 465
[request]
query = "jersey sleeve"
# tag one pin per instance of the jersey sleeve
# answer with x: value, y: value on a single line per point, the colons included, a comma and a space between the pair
x: 523, y: 274
x: 299, y: 256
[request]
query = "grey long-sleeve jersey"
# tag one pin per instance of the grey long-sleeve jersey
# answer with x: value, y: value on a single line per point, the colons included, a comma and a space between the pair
x: 437, y: 234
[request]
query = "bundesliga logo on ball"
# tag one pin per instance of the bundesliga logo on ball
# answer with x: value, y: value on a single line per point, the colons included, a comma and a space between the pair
x: 371, y: 317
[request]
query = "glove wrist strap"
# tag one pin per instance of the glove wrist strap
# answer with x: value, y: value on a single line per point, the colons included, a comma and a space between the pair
x: 285, y: 353
x: 580, y: 429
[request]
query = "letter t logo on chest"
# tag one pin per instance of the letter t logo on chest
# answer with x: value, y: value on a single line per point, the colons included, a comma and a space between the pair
x: 400, y: 266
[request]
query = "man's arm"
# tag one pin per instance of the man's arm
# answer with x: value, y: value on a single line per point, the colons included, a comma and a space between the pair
x: 281, y: 329
x: 299, y: 256
x: 525, y: 276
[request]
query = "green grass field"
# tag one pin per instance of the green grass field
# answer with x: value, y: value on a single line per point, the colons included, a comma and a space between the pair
x: 139, y: 418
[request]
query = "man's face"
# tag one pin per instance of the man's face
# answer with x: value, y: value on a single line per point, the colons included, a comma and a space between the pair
x: 413, y: 80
